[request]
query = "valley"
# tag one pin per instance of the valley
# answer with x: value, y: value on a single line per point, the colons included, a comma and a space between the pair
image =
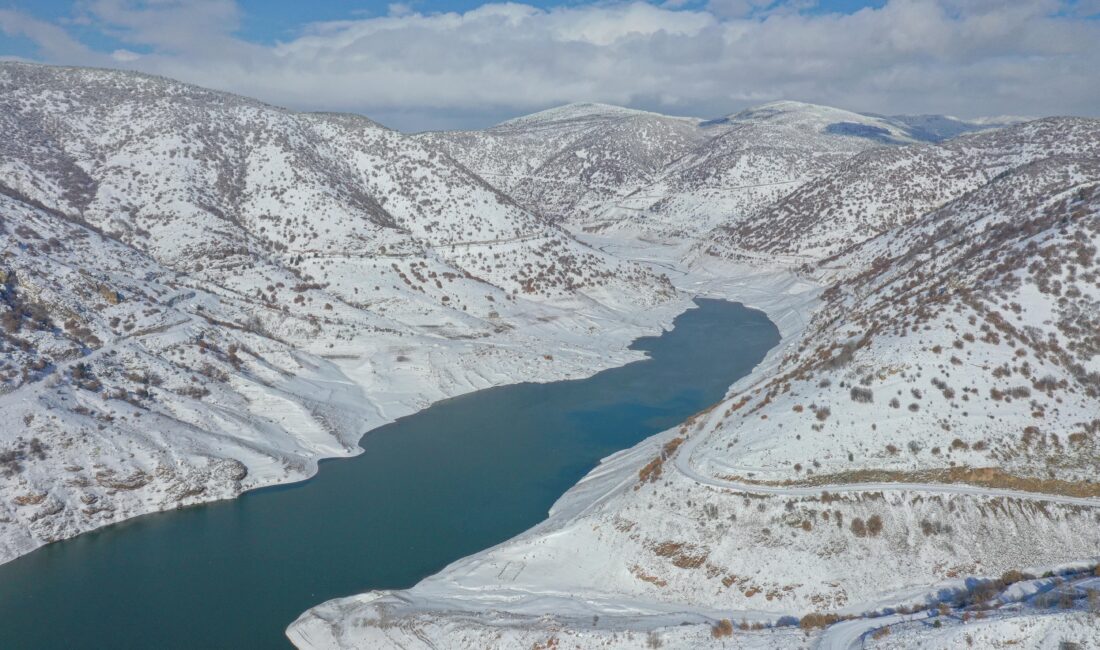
x: 203, y: 294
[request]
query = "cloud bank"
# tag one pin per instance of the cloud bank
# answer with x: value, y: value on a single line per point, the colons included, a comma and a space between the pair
x: 442, y: 70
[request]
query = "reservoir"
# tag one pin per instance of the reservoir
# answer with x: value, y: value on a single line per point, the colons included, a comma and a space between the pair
x: 458, y: 477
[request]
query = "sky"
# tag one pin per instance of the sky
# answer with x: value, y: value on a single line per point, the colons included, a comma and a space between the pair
x: 445, y: 64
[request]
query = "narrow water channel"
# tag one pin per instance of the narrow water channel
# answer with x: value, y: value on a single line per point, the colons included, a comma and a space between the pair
x: 458, y: 477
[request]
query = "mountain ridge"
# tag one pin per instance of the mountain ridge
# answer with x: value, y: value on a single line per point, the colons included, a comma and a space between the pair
x: 263, y: 286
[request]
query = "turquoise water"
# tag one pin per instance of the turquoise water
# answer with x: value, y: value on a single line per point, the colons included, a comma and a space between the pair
x: 456, y: 478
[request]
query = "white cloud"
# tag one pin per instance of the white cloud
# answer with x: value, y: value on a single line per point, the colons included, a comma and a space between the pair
x: 125, y: 56
x: 179, y: 25
x: 53, y: 41
x: 410, y: 69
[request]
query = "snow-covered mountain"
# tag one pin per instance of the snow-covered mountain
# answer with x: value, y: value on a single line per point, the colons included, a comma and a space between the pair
x: 926, y: 437
x: 202, y: 293
x: 752, y: 158
x: 569, y: 163
x: 881, y: 189
x: 937, y: 128
x: 608, y: 169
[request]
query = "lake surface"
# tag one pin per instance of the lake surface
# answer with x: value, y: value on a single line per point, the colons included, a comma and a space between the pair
x: 461, y: 476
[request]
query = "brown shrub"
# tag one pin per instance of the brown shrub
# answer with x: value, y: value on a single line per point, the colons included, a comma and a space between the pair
x: 652, y: 470
x: 1013, y: 576
x: 817, y: 620
x: 722, y: 628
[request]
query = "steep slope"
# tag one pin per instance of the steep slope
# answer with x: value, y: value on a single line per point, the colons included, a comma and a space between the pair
x: 191, y: 176
x: 567, y: 163
x: 749, y: 160
x: 975, y: 326
x: 609, y: 169
x: 935, y: 407
x: 881, y: 189
x: 128, y: 389
x: 291, y: 280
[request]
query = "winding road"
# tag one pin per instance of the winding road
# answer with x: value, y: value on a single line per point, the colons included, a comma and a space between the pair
x: 683, y: 464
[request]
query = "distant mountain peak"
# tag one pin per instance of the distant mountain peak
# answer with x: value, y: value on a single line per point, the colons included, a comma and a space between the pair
x: 789, y: 107
x: 580, y: 111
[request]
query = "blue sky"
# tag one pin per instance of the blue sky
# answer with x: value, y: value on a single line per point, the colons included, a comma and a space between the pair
x: 421, y: 64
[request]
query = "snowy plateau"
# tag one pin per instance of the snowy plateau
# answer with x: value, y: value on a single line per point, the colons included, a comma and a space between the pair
x: 201, y: 294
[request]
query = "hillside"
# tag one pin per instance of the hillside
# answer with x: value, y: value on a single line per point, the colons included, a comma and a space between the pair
x: 611, y: 170
x: 567, y: 163
x: 263, y: 285
x: 202, y: 294
x: 881, y: 189
x: 750, y: 159
x: 933, y: 407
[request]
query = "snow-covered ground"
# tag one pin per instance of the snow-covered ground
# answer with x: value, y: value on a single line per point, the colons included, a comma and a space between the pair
x: 623, y: 562
x: 928, y: 425
x: 202, y: 294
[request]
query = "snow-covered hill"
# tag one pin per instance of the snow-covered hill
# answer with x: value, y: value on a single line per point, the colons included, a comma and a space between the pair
x: 569, y: 163
x: 608, y: 169
x: 883, y: 188
x: 929, y: 426
x: 750, y: 159
x: 203, y: 294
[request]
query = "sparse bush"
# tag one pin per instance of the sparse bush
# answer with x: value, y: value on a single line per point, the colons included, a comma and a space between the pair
x: 194, y: 391
x: 934, y: 528
x: 985, y: 591
x: 1046, y: 383
x: 862, y: 395
x: 841, y: 358
x: 722, y: 628
x: 1012, y: 576
x: 817, y: 620
x: 9, y: 462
